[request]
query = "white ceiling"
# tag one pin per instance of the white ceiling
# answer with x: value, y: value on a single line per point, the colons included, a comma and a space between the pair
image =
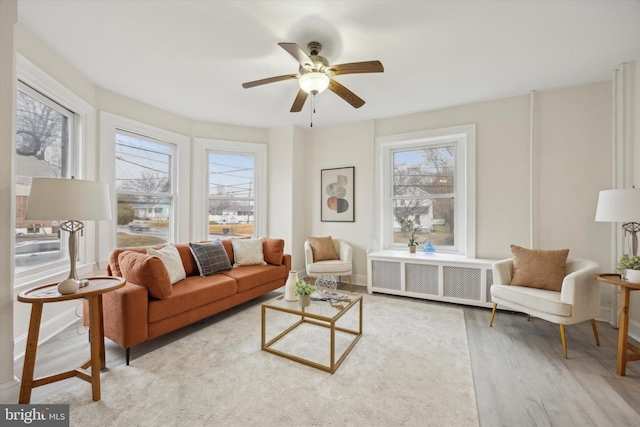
x: 191, y: 57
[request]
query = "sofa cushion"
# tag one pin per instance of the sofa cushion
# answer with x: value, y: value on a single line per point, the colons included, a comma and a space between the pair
x: 542, y: 269
x: 247, y: 252
x: 273, y: 250
x: 172, y: 261
x: 322, y: 248
x: 146, y: 270
x: 329, y: 267
x: 251, y: 276
x: 192, y: 292
x: 211, y: 257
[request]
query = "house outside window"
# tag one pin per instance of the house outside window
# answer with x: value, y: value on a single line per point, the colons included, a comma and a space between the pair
x: 231, y: 194
x: 427, y: 181
x: 145, y: 190
x: 45, y: 146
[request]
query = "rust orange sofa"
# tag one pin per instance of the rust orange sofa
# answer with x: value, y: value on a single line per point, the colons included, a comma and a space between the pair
x: 132, y: 315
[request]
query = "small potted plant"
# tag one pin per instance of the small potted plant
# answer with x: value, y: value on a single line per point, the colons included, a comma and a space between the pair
x: 409, y: 227
x: 629, y: 267
x: 304, y: 291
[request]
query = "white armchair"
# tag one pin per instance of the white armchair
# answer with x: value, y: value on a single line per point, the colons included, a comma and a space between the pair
x: 341, y: 267
x: 579, y: 299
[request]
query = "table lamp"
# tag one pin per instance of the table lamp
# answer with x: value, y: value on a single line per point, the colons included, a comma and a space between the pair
x: 72, y: 201
x: 621, y: 205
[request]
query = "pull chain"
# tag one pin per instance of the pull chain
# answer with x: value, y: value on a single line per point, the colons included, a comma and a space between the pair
x: 313, y: 104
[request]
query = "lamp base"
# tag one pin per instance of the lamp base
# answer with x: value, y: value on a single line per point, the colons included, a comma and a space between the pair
x: 632, y: 229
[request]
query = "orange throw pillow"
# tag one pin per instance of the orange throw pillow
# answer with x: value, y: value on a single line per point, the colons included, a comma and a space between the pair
x: 147, y: 271
x: 322, y: 248
x: 535, y: 268
x: 273, y: 250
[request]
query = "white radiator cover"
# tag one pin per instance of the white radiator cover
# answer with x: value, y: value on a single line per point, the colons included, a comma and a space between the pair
x: 438, y: 277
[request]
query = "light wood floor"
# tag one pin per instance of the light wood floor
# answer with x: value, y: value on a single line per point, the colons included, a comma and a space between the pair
x: 520, y: 375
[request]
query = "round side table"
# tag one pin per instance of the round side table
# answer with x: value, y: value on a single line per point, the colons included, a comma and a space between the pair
x: 49, y: 293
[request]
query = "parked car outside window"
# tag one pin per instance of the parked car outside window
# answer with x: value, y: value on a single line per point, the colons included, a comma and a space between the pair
x: 139, y: 226
x: 33, y: 252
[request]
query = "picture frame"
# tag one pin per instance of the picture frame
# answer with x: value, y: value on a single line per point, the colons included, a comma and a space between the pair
x: 337, y: 194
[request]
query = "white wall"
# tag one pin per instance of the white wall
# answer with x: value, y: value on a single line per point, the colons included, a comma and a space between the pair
x: 287, y: 219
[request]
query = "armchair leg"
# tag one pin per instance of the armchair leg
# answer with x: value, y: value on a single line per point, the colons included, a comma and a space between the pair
x: 350, y: 284
x: 564, y: 341
x: 528, y: 317
x: 595, y: 331
x: 493, y: 314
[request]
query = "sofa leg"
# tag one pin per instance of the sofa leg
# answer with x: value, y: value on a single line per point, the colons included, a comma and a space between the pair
x: 564, y: 341
x: 595, y: 331
x: 127, y: 354
x: 493, y: 314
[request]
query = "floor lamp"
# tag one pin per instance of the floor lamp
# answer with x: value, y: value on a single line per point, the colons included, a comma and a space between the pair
x: 71, y: 201
x: 621, y: 205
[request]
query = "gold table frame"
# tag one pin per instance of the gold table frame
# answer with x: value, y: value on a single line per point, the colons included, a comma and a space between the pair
x: 314, y: 314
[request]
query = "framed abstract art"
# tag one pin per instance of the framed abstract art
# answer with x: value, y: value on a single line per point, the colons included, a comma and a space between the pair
x: 337, y: 200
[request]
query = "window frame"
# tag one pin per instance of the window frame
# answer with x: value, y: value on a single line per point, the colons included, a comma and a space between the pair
x: 463, y: 138
x: 110, y: 125
x: 202, y: 146
x: 82, y: 160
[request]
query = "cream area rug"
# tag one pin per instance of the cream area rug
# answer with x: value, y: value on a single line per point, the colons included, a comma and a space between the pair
x: 411, y: 367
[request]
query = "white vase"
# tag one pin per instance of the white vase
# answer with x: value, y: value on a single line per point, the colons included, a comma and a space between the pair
x: 633, y: 276
x: 290, y: 286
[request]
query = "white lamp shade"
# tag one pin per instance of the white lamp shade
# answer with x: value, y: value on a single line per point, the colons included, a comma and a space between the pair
x: 313, y: 82
x: 622, y: 205
x: 68, y: 199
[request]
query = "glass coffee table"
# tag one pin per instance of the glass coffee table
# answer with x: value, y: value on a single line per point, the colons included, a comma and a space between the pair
x: 320, y: 313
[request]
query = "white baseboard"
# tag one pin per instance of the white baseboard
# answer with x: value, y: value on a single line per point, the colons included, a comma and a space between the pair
x: 47, y: 330
x: 10, y: 391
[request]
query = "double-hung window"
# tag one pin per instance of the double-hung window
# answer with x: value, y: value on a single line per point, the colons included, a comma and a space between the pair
x: 427, y: 189
x: 45, y: 147
x: 145, y: 188
x: 232, y: 193
x: 231, y: 201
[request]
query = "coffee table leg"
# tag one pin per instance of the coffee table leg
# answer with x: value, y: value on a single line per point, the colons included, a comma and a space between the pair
x: 263, y: 326
x: 26, y: 384
x: 623, y: 331
x: 333, y: 346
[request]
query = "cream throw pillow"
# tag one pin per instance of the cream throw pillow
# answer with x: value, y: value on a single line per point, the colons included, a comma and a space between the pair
x: 247, y: 252
x: 535, y: 268
x: 322, y: 248
x: 171, y: 259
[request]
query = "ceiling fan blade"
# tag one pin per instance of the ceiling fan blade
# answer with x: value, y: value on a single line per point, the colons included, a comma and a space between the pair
x: 299, y: 54
x: 270, y: 80
x: 345, y: 94
x: 298, y: 103
x: 356, y: 67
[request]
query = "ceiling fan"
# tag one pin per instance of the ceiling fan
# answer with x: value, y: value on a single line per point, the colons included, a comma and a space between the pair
x: 315, y: 75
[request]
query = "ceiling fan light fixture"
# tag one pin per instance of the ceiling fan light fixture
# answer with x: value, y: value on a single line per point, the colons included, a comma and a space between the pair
x: 313, y: 82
